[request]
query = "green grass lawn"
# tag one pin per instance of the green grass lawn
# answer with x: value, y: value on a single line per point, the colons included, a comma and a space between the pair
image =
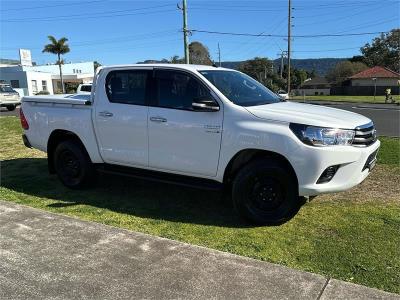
x: 354, y: 236
x: 359, y: 99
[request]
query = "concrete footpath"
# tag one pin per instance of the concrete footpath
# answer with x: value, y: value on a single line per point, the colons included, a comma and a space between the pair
x: 49, y: 256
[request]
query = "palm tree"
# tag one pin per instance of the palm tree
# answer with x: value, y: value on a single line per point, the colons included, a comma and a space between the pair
x: 58, y: 47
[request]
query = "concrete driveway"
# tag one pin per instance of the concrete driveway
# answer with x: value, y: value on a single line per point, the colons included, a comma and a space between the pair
x: 49, y: 256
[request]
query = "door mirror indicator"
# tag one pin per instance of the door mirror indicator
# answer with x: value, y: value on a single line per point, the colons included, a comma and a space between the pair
x: 204, y: 104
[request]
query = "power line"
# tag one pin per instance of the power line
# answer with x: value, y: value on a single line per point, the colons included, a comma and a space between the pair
x: 274, y: 27
x: 106, y: 14
x: 326, y: 50
x: 284, y: 36
x: 346, y: 4
x: 368, y: 24
x: 56, y: 5
x: 267, y: 40
x: 341, y: 17
x: 119, y: 39
x: 232, y: 9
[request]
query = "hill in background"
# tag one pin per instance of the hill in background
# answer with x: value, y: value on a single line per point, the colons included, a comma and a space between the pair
x: 320, y: 65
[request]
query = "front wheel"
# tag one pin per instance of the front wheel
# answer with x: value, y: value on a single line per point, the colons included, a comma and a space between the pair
x: 265, y: 192
x: 11, y: 107
x: 73, y: 165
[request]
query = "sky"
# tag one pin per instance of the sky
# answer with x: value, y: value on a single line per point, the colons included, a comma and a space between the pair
x: 120, y: 32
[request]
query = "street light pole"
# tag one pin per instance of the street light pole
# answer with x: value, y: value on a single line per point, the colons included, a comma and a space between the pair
x: 374, y: 79
x: 219, y: 55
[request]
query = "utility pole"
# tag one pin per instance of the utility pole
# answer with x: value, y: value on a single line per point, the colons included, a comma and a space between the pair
x: 185, y: 32
x: 289, y: 42
x: 219, y: 55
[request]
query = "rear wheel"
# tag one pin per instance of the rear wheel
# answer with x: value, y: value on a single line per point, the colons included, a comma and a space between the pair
x: 73, y: 165
x: 11, y: 107
x: 265, y: 192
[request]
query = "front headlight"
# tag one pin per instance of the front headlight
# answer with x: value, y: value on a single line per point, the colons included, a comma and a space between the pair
x: 322, y: 136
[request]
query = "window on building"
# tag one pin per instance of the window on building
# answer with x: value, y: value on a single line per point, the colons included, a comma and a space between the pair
x: 34, y: 86
x: 73, y: 70
x: 14, y: 84
x: 44, y: 85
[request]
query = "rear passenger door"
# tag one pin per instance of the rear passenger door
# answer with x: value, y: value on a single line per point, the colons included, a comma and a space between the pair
x: 181, y: 139
x: 121, y: 117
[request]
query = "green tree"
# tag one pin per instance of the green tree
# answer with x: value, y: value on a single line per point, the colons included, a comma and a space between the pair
x: 343, y: 70
x: 176, y: 60
x: 96, y: 64
x: 199, y: 54
x: 299, y: 76
x: 258, y: 68
x: 384, y: 51
x: 311, y: 74
x: 58, y: 47
x: 261, y: 69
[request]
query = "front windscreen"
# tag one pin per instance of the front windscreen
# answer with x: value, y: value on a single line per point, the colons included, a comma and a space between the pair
x: 240, y: 88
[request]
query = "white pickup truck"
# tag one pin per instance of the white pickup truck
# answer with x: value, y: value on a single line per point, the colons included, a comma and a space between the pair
x: 202, y: 126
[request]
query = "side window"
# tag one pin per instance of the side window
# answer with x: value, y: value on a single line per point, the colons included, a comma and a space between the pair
x: 127, y: 86
x: 177, y: 90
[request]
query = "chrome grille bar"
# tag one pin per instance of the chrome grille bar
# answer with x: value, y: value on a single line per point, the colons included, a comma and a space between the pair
x: 365, y: 135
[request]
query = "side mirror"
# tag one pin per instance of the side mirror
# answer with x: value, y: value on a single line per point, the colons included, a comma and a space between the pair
x: 204, y: 104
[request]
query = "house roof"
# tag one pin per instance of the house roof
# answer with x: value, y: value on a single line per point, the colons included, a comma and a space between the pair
x: 376, y: 72
x: 315, y: 81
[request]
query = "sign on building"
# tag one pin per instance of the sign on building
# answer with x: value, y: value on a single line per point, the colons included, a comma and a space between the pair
x: 25, y: 57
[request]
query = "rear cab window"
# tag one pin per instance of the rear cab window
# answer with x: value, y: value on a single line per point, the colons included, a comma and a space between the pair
x: 86, y: 88
x: 128, y: 86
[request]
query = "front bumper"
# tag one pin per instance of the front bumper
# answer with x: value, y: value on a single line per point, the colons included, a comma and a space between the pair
x: 355, y: 163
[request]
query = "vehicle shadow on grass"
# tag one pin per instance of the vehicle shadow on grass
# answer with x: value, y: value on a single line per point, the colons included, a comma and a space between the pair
x: 123, y: 195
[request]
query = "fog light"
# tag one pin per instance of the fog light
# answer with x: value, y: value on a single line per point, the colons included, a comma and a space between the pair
x: 328, y: 174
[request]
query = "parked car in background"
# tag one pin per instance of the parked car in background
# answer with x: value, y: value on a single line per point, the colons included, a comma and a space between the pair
x: 204, y: 126
x: 283, y: 94
x: 84, y: 88
x: 9, y: 97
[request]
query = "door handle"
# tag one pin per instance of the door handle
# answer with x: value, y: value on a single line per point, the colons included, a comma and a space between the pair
x: 105, y: 114
x: 158, y: 119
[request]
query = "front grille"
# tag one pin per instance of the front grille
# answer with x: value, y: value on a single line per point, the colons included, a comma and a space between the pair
x: 365, y: 135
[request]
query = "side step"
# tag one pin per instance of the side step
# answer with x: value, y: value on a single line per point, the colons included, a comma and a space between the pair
x: 163, y: 177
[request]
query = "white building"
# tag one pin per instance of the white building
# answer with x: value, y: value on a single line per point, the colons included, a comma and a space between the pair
x: 30, y: 80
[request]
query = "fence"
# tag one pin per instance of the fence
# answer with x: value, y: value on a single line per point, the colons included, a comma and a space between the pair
x: 362, y: 90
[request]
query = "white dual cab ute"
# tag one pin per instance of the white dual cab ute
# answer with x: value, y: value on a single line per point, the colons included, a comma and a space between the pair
x: 202, y: 126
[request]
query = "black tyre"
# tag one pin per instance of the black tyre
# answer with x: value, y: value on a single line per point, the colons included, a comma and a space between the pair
x: 73, y: 165
x: 11, y: 107
x: 265, y: 192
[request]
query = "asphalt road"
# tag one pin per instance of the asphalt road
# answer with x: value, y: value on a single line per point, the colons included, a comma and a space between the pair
x: 385, y: 116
